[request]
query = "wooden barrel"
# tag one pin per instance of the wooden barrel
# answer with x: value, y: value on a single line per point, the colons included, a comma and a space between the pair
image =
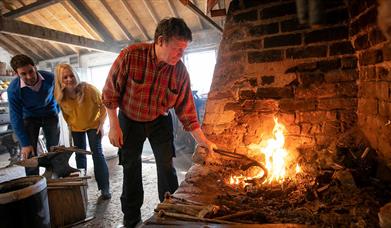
x: 24, y: 203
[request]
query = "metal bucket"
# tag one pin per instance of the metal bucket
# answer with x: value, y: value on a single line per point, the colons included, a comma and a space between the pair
x: 24, y: 203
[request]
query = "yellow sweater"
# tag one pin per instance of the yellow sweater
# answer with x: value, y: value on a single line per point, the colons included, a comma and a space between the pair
x: 88, y: 113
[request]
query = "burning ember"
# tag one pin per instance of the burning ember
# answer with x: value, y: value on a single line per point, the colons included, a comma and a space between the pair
x: 275, y: 159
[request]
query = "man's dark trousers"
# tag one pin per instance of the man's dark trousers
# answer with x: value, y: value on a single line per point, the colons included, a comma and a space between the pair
x: 160, y: 135
x: 51, y: 131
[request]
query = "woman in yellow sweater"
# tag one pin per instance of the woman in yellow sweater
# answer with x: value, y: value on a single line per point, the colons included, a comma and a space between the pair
x: 82, y: 109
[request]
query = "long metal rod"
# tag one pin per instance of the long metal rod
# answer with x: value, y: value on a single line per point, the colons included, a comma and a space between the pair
x: 203, y: 16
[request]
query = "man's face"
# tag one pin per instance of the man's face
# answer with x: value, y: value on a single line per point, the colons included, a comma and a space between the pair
x: 172, y: 51
x: 28, y: 74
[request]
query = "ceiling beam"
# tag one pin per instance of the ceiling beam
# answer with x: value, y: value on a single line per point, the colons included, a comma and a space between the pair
x: 80, y: 21
x: 151, y: 11
x: 19, y: 49
x: 40, y: 4
x: 123, y: 29
x: 91, y: 19
x: 62, y: 25
x: 20, y: 28
x: 8, y: 48
x: 198, y: 16
x: 203, y: 16
x: 135, y: 19
x: 172, y: 8
x: 23, y: 44
x: 33, y: 20
x: 42, y: 48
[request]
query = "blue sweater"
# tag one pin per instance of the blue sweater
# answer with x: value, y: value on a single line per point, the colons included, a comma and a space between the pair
x: 25, y: 103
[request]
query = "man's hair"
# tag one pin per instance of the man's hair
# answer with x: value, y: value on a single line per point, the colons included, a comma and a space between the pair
x: 172, y: 27
x: 21, y: 61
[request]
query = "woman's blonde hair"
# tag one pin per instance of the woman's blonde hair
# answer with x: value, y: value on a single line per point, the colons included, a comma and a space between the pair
x: 59, y: 94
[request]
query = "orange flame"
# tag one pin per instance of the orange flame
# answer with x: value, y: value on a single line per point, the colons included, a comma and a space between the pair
x: 275, y: 156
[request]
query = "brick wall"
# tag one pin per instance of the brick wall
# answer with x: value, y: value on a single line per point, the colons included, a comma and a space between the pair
x: 318, y: 81
x: 374, y: 55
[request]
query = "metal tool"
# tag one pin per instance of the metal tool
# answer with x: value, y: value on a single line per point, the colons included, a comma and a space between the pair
x: 244, y: 167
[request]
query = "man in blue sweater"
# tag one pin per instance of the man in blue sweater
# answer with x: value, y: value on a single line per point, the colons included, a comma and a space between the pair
x: 32, y: 106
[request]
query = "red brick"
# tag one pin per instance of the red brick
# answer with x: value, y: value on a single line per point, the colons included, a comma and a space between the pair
x: 367, y: 106
x: 337, y: 104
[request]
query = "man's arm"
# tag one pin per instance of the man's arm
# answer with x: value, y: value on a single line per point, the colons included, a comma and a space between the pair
x: 201, y: 139
x: 115, y: 132
x: 16, y: 118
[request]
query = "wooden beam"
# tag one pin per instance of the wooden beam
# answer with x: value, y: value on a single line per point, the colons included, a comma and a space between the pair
x: 56, y: 46
x: 91, y: 19
x: 40, y: 4
x: 198, y: 17
x: 79, y: 20
x: 135, y: 19
x: 42, y: 48
x: 23, y: 44
x: 7, y: 47
x: 151, y: 11
x: 64, y: 26
x: 197, y: 11
x: 20, y: 28
x: 124, y: 30
x: 172, y: 8
x: 19, y: 49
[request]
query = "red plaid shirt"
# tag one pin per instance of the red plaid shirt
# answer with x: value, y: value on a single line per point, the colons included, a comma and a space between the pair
x: 144, y: 89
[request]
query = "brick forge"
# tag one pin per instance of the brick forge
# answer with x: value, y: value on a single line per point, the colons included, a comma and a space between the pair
x: 329, y: 85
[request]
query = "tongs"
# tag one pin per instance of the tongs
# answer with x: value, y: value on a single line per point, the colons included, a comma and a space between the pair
x: 244, y: 167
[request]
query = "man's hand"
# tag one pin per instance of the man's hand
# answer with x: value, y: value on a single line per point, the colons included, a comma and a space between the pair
x: 115, y: 136
x: 25, y: 152
x: 203, y: 141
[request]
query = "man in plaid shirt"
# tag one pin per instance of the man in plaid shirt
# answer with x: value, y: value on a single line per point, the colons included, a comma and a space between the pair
x: 145, y: 81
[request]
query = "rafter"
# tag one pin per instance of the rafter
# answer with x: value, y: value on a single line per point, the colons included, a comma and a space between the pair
x: 151, y: 11
x: 7, y: 47
x: 23, y: 29
x: 19, y: 49
x: 135, y: 19
x: 172, y: 8
x: 40, y: 4
x: 91, y: 19
x: 33, y: 20
x: 198, y: 17
x: 22, y: 43
x: 198, y: 12
x: 123, y: 29
x: 80, y: 21
x: 42, y: 48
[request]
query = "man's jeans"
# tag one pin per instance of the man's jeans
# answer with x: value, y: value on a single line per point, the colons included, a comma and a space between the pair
x: 51, y: 131
x: 100, y: 166
x: 160, y: 134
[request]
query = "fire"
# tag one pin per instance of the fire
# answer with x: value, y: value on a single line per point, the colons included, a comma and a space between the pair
x: 275, y: 158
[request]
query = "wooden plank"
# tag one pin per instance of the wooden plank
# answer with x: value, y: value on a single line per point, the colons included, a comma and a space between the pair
x: 173, y: 11
x: 197, y: 11
x: 24, y: 44
x: 151, y: 11
x: 18, y: 48
x: 42, y: 48
x: 135, y: 19
x: 40, y: 4
x: 7, y: 47
x: 124, y: 30
x: 67, y: 205
x: 79, y: 20
x: 198, y: 17
x: 37, y: 32
x: 39, y: 21
x: 91, y: 19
